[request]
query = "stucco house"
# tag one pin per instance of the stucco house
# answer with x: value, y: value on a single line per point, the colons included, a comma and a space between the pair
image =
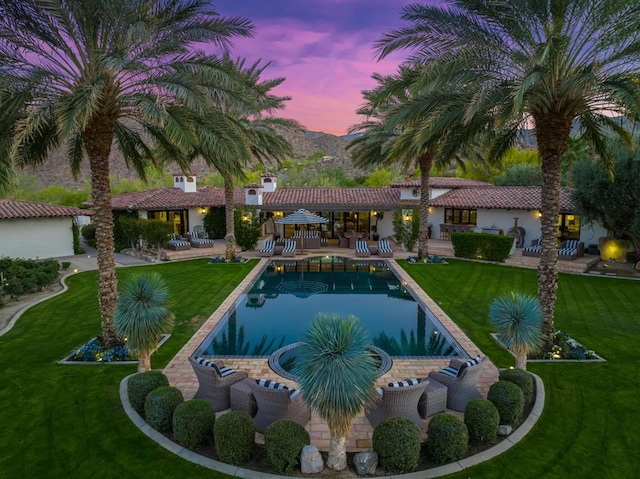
x: 36, y: 230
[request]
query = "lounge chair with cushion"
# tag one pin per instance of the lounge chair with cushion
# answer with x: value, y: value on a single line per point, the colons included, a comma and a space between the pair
x: 362, y: 249
x: 460, y: 377
x: 384, y: 249
x: 199, y: 240
x: 398, y: 399
x: 289, y: 247
x: 214, y: 380
x: 570, y: 250
x: 533, y: 249
x: 268, y: 249
x: 176, y: 243
x: 276, y: 401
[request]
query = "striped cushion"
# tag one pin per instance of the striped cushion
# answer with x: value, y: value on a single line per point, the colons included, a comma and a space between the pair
x: 449, y: 371
x: 293, y: 393
x: 268, y: 383
x: 406, y: 382
x: 268, y: 246
x: 223, y: 371
x: 383, y: 245
x: 469, y: 363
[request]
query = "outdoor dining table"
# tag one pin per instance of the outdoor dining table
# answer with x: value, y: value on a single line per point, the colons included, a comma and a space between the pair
x: 353, y: 238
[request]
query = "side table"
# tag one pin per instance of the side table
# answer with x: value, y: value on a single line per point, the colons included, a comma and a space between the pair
x: 242, y: 398
x: 433, y: 399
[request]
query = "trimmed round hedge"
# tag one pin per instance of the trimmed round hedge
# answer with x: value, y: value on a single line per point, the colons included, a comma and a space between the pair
x: 234, y: 436
x: 142, y: 384
x: 193, y: 422
x: 160, y: 405
x: 447, y: 438
x: 482, y: 420
x: 508, y: 400
x: 521, y: 378
x: 283, y: 443
x: 397, y: 442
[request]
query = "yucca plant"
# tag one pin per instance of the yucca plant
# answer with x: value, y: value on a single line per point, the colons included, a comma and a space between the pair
x: 142, y: 315
x: 336, y: 374
x: 518, y: 318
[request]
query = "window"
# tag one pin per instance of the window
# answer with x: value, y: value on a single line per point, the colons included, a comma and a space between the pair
x: 458, y: 216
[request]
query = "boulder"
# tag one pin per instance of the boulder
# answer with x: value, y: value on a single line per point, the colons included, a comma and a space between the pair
x: 366, y: 462
x: 504, y: 430
x: 310, y: 460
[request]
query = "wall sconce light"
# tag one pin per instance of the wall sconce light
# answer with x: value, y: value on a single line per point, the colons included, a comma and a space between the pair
x: 203, y: 210
x: 246, y: 218
x: 539, y: 214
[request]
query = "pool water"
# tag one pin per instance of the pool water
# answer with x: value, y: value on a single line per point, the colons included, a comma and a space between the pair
x: 279, y: 306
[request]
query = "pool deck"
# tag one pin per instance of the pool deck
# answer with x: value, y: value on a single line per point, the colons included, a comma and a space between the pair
x: 181, y: 374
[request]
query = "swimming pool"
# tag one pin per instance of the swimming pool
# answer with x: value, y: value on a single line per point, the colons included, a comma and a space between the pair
x: 278, y: 307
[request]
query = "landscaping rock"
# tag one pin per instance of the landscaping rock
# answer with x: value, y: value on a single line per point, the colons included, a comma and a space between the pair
x: 310, y: 460
x: 366, y: 462
x: 504, y: 430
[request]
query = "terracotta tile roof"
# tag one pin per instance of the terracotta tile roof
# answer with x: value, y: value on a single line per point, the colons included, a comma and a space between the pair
x: 173, y: 198
x: 505, y: 197
x: 318, y: 198
x: 253, y: 185
x: 15, y: 209
x: 442, y: 182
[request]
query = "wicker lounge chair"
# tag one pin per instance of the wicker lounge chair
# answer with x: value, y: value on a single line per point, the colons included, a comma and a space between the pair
x: 275, y: 403
x: 384, y: 249
x: 213, y: 386
x: 176, y: 243
x: 461, y: 384
x: 362, y: 249
x: 200, y: 240
x: 570, y: 250
x: 397, y: 402
x: 533, y: 249
x: 289, y: 247
x: 268, y: 250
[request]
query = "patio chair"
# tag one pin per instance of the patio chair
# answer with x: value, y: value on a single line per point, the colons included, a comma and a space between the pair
x: 570, y: 250
x: 214, y: 380
x: 397, y: 400
x: 533, y: 249
x: 460, y: 377
x: 176, y: 243
x: 268, y: 250
x: 276, y: 401
x: 289, y: 247
x: 198, y: 240
x: 362, y: 249
x: 384, y: 249
x: 343, y: 241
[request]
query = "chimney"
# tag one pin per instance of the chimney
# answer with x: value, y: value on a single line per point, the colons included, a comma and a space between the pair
x: 186, y: 182
x: 269, y: 182
x: 253, y: 194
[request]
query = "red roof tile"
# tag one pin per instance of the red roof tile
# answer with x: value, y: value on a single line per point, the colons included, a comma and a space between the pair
x: 15, y: 209
x: 173, y: 198
x: 504, y: 197
x: 442, y: 182
x: 318, y: 198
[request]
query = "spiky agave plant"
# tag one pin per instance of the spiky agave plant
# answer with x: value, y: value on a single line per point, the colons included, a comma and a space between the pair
x: 336, y: 374
x: 142, y: 315
x: 518, y: 318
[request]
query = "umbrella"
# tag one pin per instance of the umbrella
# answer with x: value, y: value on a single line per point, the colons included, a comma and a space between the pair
x: 302, y: 217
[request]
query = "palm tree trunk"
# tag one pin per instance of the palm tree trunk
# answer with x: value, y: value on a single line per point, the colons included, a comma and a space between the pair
x: 337, y: 458
x: 144, y: 361
x: 230, y: 237
x: 521, y: 357
x: 425, y: 162
x: 552, y: 135
x: 97, y: 140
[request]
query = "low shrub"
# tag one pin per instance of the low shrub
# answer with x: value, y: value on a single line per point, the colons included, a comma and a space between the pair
x: 234, y: 436
x: 521, y: 378
x: 193, y: 422
x: 447, y: 438
x: 397, y: 442
x: 481, y: 246
x: 160, y: 406
x: 142, y: 384
x: 508, y: 400
x: 283, y: 443
x: 482, y: 420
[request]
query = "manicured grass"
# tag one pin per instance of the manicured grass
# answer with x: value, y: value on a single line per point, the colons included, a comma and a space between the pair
x: 588, y: 425
x: 67, y: 421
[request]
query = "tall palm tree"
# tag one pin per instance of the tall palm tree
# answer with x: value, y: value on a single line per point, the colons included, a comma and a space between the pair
x: 518, y: 318
x: 336, y: 373
x: 504, y: 65
x: 89, y: 75
x: 142, y: 315
x: 252, y: 134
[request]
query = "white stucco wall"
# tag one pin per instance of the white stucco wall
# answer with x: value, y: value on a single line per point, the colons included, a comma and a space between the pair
x: 36, y: 238
x: 195, y: 218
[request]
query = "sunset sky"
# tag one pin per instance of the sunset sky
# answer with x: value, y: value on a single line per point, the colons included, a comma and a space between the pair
x: 324, y: 49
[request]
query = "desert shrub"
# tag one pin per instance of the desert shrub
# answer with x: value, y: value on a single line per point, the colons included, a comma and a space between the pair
x: 447, y: 438
x: 283, y: 442
x: 160, y: 405
x: 508, y: 400
x: 193, y: 422
x: 481, y: 246
x: 521, y: 378
x: 142, y: 384
x: 234, y: 435
x: 482, y: 420
x: 65, y: 265
x: 397, y: 442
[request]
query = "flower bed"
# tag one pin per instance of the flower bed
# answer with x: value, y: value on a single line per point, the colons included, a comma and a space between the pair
x: 565, y: 347
x: 431, y: 259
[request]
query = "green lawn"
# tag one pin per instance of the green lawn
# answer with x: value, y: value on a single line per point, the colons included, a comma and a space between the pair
x: 67, y: 421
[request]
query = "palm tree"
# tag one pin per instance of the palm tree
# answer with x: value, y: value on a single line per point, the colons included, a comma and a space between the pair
x: 90, y: 75
x: 252, y: 134
x: 336, y: 373
x: 500, y: 66
x: 518, y: 318
x: 142, y: 316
